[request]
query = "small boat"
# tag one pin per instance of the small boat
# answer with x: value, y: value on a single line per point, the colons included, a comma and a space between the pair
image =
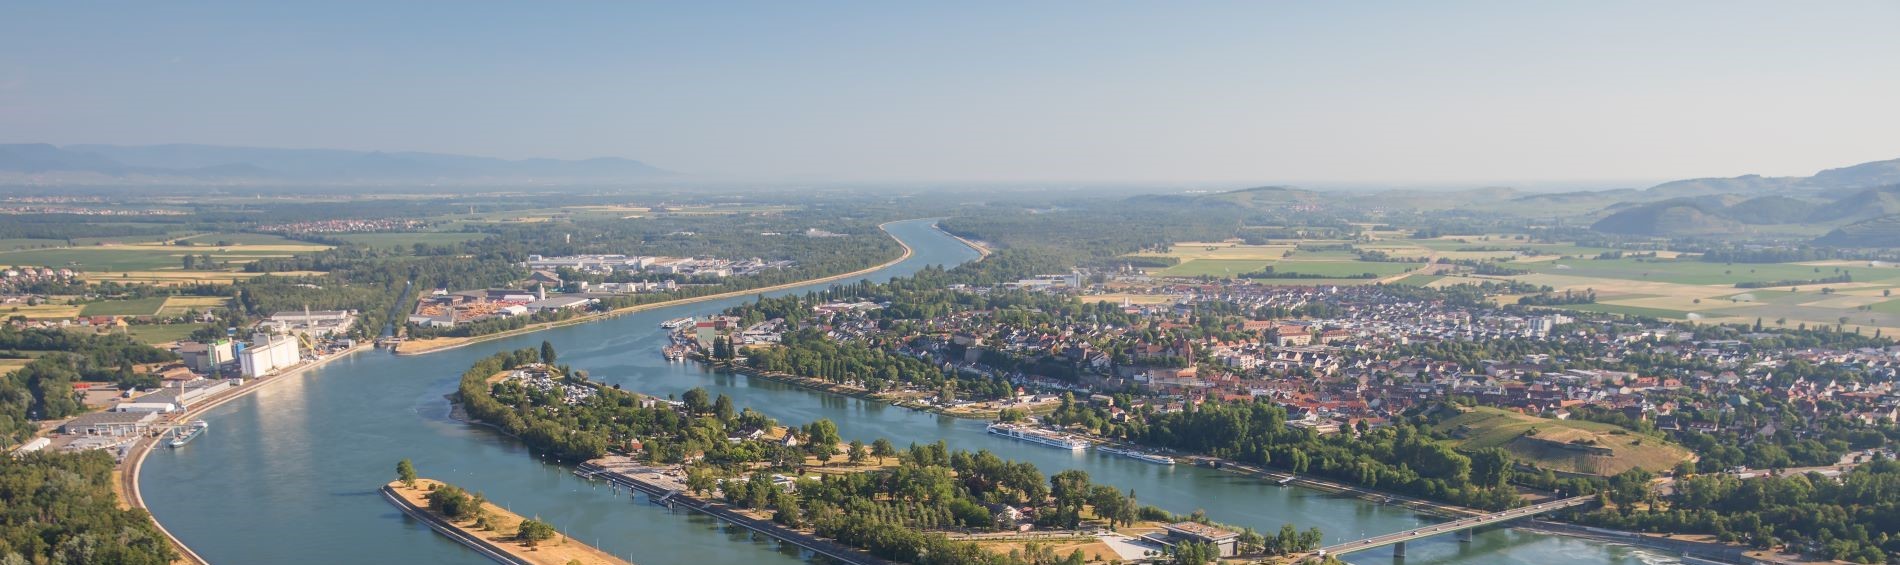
x: 180, y: 438
x: 1040, y: 437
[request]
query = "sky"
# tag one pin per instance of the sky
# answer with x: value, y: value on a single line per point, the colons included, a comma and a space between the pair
x: 1408, y: 93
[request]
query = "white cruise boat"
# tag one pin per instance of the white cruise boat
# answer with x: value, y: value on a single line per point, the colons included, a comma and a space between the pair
x: 1041, y: 437
x: 1138, y: 455
x: 677, y: 323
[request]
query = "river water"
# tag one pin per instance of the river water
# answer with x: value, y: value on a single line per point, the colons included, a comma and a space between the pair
x: 289, y: 474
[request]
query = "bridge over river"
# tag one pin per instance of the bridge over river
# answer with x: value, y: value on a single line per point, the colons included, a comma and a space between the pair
x: 1462, y: 526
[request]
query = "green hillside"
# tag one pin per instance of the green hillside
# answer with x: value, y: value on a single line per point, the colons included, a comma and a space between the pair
x: 1563, y: 445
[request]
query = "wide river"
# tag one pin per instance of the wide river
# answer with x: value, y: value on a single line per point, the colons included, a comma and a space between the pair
x: 289, y: 474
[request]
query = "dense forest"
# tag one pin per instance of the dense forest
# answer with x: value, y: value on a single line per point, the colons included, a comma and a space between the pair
x: 59, y: 508
x: 1856, y: 518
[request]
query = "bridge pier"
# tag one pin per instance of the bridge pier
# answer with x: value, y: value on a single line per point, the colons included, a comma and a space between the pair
x: 1464, y: 535
x: 1398, y: 549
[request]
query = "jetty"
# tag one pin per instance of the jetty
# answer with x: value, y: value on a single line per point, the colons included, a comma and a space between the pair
x: 497, y: 544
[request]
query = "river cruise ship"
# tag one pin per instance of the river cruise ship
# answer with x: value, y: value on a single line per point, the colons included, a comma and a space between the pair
x: 1041, y: 437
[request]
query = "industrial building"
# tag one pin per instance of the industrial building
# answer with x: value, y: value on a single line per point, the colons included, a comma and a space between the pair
x: 267, y: 353
x: 310, y: 323
x: 110, y: 423
x: 205, y: 357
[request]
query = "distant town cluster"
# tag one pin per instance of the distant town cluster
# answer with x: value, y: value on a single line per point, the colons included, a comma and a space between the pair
x: 346, y: 226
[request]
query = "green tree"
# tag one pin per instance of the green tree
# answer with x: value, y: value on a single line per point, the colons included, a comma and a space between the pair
x: 883, y: 448
x: 697, y: 400
x: 547, y: 352
x: 406, y: 473
x: 534, y: 532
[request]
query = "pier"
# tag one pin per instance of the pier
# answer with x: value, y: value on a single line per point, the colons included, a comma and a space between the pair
x: 1462, y: 527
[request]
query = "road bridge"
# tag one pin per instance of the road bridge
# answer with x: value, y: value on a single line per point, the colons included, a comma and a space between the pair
x: 1462, y: 526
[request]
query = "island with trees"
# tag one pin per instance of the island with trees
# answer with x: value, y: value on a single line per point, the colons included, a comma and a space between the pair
x: 920, y: 504
x: 469, y: 518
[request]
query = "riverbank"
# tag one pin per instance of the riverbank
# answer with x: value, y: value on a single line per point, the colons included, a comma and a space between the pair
x: 126, y: 475
x: 625, y: 472
x: 494, y: 542
x: 419, y: 347
x: 901, y: 401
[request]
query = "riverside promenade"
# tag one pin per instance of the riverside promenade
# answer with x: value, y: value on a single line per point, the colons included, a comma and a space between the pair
x: 664, y: 489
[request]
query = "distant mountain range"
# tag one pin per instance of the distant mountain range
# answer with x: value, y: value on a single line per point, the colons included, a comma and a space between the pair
x: 218, y: 163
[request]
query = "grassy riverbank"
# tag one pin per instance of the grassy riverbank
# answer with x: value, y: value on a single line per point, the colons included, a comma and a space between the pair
x: 500, y: 532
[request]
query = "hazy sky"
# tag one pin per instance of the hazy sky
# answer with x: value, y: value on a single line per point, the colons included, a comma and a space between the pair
x: 1412, y: 92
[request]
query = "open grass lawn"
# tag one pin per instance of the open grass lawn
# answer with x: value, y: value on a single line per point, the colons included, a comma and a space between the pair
x: 405, y: 239
x: 1419, y: 280
x: 134, y: 307
x: 1529, y: 439
x: 1695, y: 272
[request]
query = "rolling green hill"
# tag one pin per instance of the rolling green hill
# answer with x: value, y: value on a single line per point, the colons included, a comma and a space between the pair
x: 1563, y: 445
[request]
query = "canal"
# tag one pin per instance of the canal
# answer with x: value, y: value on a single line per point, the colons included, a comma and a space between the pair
x: 289, y: 474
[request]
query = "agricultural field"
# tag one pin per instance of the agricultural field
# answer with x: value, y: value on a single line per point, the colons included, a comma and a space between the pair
x: 123, y: 257
x: 1539, y: 441
x: 238, y: 239
x: 406, y: 239
x: 1214, y: 267
x: 1232, y: 260
x: 1706, y: 293
x: 43, y: 311
x: 178, y: 305
x: 11, y: 365
x: 1419, y: 280
x: 133, y: 307
x: 1134, y: 299
x: 1694, y: 272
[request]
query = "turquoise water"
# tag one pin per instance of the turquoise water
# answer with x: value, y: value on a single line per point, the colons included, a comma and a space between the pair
x: 289, y: 474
